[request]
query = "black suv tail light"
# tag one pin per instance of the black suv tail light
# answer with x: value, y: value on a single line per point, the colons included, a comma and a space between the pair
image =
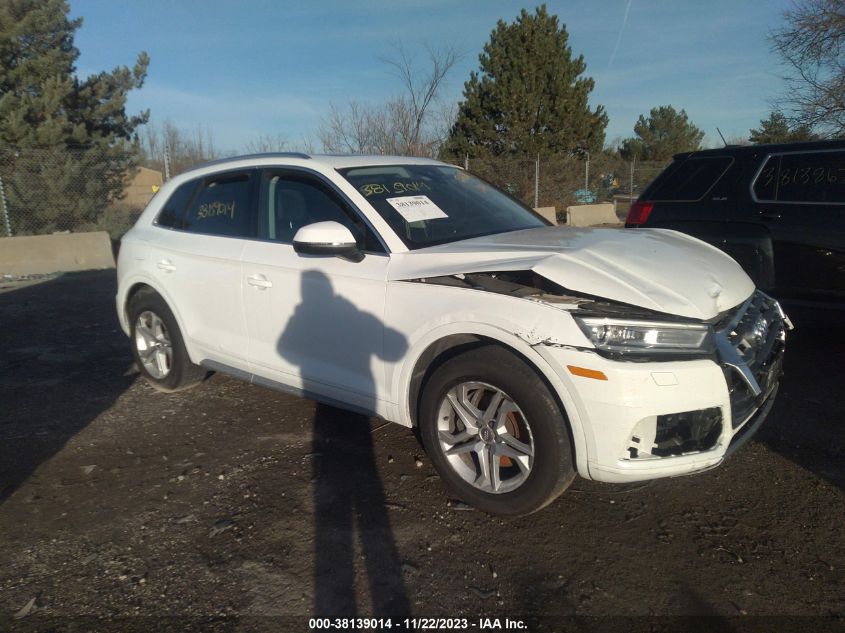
x: 638, y: 213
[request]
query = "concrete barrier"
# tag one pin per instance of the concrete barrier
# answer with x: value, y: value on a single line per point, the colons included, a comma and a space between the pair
x: 591, y: 214
x: 550, y: 213
x: 57, y: 253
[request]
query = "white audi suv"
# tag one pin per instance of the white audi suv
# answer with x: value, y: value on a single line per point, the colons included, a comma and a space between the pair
x: 412, y: 290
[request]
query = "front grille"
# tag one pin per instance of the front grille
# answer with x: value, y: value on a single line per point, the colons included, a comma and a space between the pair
x: 757, y: 331
x: 743, y: 401
x: 752, y: 354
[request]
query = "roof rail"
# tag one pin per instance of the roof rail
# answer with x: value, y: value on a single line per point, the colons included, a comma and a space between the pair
x: 231, y: 159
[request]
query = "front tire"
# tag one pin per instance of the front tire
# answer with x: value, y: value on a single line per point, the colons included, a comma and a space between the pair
x: 157, y: 344
x: 495, y: 433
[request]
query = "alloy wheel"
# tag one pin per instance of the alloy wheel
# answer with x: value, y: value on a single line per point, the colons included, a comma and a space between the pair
x: 152, y: 342
x: 485, y: 437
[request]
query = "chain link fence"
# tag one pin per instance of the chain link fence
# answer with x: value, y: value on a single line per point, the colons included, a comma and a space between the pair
x: 47, y: 191
x: 560, y: 181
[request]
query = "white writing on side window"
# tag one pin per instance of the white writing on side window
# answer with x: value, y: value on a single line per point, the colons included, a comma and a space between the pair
x: 416, y: 208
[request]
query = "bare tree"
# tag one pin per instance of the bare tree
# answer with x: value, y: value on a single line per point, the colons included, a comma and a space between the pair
x: 812, y: 45
x: 185, y: 149
x: 407, y: 124
x: 355, y: 129
x: 442, y: 120
x: 421, y: 89
x: 264, y: 143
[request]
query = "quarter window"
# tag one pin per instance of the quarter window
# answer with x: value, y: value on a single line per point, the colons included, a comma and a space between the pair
x: 223, y: 207
x: 173, y: 212
x: 812, y: 177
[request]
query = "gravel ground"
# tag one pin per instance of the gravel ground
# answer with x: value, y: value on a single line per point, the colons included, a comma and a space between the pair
x: 233, y: 507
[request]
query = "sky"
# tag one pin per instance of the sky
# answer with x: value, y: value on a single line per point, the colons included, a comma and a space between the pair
x: 241, y: 69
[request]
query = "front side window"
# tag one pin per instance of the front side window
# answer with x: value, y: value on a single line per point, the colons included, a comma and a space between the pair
x: 291, y: 201
x: 811, y: 177
x: 223, y: 207
x: 427, y: 205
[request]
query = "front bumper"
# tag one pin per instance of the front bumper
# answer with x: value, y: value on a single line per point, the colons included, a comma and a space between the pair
x: 662, y: 419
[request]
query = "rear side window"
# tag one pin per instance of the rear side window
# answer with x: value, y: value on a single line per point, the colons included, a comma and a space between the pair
x: 223, y: 207
x: 810, y: 177
x: 689, y: 180
x: 173, y: 212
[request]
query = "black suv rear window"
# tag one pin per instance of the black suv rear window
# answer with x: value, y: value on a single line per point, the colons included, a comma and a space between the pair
x: 806, y: 177
x: 688, y: 180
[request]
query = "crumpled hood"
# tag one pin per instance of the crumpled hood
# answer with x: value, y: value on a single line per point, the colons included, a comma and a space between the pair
x: 657, y: 269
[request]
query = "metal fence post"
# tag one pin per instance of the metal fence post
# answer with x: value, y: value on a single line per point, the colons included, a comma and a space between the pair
x: 166, y: 161
x: 5, y: 209
x: 537, y: 182
x: 587, y: 173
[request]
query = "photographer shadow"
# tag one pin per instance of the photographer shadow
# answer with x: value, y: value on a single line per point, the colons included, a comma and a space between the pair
x: 349, y: 498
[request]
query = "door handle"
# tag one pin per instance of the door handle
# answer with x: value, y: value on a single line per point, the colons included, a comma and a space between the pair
x: 259, y: 281
x: 770, y: 215
x: 166, y: 265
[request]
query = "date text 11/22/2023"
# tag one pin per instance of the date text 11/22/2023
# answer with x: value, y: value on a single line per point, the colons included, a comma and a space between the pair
x: 417, y: 624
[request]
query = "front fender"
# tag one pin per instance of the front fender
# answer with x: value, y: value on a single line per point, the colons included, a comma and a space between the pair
x: 561, y: 385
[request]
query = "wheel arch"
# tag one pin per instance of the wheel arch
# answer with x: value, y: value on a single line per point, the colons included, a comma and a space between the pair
x: 446, y: 343
x: 139, y: 284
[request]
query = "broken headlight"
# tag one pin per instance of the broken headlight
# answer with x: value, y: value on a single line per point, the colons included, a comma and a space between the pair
x: 622, y: 337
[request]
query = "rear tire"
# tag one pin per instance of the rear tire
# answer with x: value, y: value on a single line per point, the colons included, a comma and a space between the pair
x: 157, y: 344
x: 495, y: 433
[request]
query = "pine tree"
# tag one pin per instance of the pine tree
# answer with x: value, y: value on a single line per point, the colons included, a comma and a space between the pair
x: 664, y: 133
x: 776, y: 129
x: 530, y: 96
x: 66, y: 144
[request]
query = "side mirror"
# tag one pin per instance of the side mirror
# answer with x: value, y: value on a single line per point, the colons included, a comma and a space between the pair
x: 327, y: 239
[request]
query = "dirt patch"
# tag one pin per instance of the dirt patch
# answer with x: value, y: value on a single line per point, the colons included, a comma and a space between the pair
x: 229, y: 505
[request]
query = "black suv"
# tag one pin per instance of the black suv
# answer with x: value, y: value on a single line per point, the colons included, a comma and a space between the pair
x: 778, y: 210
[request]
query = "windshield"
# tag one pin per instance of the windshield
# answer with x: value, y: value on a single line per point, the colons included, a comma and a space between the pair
x: 427, y: 205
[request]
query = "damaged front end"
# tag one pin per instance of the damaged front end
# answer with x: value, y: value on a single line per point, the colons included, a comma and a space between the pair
x: 750, y: 341
x: 527, y: 284
x: 616, y: 330
x: 746, y: 342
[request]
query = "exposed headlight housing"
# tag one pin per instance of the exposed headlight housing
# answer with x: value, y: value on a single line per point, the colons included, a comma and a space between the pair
x: 625, y: 337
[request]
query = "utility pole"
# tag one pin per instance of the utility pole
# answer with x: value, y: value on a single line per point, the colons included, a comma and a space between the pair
x: 631, y: 183
x: 537, y: 182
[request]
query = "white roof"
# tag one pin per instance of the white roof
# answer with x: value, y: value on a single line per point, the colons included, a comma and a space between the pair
x: 333, y: 161
x: 339, y: 161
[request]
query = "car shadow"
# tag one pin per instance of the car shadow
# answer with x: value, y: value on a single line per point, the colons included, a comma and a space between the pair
x: 349, y: 499
x: 807, y: 423
x: 63, y: 361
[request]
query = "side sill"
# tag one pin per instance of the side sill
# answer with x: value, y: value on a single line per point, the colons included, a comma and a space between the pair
x: 261, y: 381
